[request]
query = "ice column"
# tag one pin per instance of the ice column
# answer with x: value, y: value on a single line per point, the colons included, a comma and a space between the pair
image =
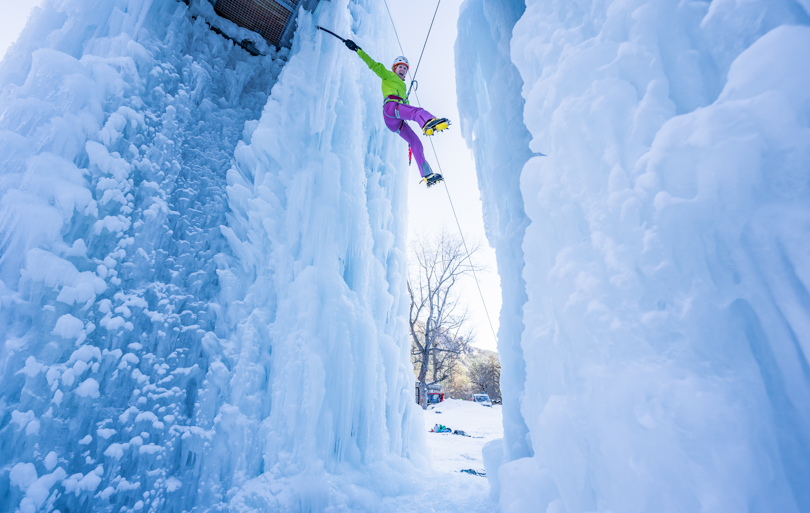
x: 316, y: 378
x: 491, y: 109
x: 665, y: 339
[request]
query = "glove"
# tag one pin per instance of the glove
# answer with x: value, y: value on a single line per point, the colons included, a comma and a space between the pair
x: 351, y: 45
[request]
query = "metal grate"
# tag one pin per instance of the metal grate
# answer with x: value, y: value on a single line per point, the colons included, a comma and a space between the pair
x: 267, y: 17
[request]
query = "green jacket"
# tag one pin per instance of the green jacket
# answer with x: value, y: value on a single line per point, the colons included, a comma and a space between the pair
x: 391, y: 83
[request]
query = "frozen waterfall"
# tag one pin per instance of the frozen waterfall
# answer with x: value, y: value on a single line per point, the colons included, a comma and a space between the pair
x: 203, y: 260
x: 660, y: 352
x: 203, y: 267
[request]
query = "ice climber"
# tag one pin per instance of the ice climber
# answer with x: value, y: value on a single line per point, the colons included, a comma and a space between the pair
x: 397, y: 110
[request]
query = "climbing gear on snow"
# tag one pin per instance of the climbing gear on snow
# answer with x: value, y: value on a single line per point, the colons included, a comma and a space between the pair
x: 410, y: 155
x: 436, y: 125
x: 400, y: 60
x: 440, y: 428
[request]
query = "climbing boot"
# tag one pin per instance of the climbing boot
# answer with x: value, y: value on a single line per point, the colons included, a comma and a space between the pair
x: 432, y: 179
x: 436, y: 125
x: 428, y: 176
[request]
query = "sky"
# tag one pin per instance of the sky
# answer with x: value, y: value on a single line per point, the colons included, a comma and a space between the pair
x: 13, y: 20
x: 430, y: 210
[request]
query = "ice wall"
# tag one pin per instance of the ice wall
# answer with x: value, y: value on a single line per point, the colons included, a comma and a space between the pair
x: 189, y: 320
x: 318, y: 222
x: 665, y: 338
x: 491, y: 109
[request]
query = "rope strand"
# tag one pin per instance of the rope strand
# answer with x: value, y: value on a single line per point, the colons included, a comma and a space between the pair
x: 461, y: 233
x: 424, y: 45
x: 395, y: 27
x: 438, y: 162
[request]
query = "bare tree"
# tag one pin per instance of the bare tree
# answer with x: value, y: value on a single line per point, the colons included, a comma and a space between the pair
x: 436, y: 318
x: 484, y: 373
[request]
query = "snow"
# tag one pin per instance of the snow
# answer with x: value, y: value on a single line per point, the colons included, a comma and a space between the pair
x: 88, y: 388
x: 453, y: 453
x: 68, y: 326
x: 50, y: 460
x: 23, y: 475
x: 663, y: 326
x: 443, y: 487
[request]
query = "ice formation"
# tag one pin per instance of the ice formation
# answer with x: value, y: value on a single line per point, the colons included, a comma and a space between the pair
x: 665, y: 320
x: 489, y: 96
x: 202, y: 271
x: 202, y: 259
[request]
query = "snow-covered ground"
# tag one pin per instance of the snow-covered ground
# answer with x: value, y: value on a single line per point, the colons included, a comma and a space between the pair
x: 444, y: 488
x: 452, y: 453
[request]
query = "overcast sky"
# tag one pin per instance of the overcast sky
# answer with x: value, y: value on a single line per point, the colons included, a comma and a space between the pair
x: 15, y: 13
x: 430, y: 210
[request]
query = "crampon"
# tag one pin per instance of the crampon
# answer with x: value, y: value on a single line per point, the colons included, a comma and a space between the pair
x: 436, y: 125
x: 432, y: 179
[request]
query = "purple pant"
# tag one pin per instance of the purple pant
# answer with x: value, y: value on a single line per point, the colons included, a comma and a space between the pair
x: 398, y: 124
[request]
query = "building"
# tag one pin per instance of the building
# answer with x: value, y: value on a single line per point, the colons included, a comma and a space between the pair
x: 273, y: 19
x: 434, y: 393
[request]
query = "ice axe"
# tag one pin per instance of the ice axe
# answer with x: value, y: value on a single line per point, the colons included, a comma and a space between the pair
x: 413, y: 82
x: 351, y: 45
x: 330, y: 32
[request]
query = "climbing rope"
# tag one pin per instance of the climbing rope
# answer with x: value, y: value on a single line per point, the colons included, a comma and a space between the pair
x: 438, y: 162
x: 413, y: 80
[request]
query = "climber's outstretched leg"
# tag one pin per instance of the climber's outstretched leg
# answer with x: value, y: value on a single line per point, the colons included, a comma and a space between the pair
x: 409, y: 135
x: 416, y: 147
x: 408, y: 112
x: 400, y: 126
x: 430, y: 124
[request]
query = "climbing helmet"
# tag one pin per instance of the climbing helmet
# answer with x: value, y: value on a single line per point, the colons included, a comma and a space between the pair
x: 400, y: 60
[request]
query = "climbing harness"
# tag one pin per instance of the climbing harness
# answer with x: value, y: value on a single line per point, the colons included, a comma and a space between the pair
x: 392, y: 98
x: 452, y: 207
x: 398, y: 101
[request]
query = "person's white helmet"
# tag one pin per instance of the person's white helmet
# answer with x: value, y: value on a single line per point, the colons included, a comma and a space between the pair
x: 400, y: 60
